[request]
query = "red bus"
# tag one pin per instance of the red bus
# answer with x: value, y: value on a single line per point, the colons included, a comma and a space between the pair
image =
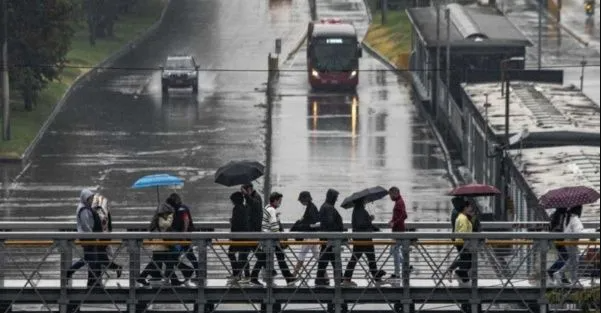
x: 333, y: 53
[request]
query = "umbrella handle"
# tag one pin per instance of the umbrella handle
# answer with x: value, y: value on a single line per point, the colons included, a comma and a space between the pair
x: 158, y: 196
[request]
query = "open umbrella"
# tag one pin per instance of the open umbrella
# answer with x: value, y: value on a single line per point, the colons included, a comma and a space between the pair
x: 474, y: 190
x: 369, y: 195
x: 239, y: 172
x: 157, y: 180
x: 568, y: 197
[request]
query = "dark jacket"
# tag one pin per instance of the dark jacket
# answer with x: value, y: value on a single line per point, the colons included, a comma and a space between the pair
x: 361, y: 221
x: 311, y: 215
x: 329, y: 218
x: 254, y: 205
x: 179, y: 219
x: 240, y: 221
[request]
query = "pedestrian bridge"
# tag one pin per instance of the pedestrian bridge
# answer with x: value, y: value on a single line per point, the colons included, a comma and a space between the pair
x: 508, y: 271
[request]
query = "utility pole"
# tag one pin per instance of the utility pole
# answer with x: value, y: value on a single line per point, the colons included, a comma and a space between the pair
x: 582, y: 66
x: 384, y: 8
x: 435, y: 106
x: 447, y: 15
x: 4, y: 74
x: 540, y: 30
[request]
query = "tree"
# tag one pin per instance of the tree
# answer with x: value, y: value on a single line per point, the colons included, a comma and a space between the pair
x: 101, y: 16
x: 39, y: 38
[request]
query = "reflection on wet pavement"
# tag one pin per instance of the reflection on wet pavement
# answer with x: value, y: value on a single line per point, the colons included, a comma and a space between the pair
x: 350, y: 141
x: 119, y: 127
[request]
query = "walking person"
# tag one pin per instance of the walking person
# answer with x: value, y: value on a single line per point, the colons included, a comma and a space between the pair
x: 271, y: 223
x: 362, y: 221
x: 183, y: 222
x: 104, y: 253
x: 329, y: 221
x: 397, y: 223
x: 556, y: 224
x: 238, y: 255
x: 463, y: 224
x: 572, y: 225
x: 162, y: 254
x: 309, y: 222
x: 88, y: 221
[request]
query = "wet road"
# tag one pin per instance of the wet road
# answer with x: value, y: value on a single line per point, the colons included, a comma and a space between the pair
x: 353, y: 141
x: 559, y: 48
x: 118, y: 127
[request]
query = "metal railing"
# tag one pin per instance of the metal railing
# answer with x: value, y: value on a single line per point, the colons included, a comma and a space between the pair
x: 211, y: 226
x: 34, y: 268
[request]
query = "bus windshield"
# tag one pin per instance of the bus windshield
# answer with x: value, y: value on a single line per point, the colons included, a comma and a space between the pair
x: 334, y: 54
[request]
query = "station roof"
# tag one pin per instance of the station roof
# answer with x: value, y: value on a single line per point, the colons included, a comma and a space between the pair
x: 549, y: 111
x: 550, y: 168
x: 470, y: 27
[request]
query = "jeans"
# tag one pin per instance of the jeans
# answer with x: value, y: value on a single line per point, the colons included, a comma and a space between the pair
x: 262, y: 263
x: 571, y: 263
x: 397, y: 257
x: 562, y: 257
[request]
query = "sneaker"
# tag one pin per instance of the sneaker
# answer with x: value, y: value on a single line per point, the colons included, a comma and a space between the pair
x: 244, y: 280
x: 348, y: 283
x: 143, y: 282
x: 558, y: 278
x: 464, y: 284
x: 255, y: 282
x: 291, y: 281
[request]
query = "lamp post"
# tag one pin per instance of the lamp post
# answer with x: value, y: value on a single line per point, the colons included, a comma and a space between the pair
x: 4, y: 74
x: 504, y: 162
x: 582, y: 66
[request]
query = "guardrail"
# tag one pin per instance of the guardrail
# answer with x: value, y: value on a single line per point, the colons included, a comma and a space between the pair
x: 34, y: 268
x: 209, y: 226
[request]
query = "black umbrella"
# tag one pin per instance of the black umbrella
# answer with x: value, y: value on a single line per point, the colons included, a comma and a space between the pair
x: 368, y: 195
x: 239, y: 172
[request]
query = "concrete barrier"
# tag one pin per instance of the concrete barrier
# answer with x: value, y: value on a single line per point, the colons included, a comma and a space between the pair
x: 86, y: 76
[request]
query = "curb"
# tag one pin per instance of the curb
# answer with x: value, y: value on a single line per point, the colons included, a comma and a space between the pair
x: 127, y: 47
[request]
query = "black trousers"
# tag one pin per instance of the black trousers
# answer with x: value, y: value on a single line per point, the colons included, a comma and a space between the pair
x: 91, y: 257
x: 159, y: 259
x: 239, y: 259
x: 359, y: 251
x: 262, y: 263
x: 326, y: 255
x: 463, y: 263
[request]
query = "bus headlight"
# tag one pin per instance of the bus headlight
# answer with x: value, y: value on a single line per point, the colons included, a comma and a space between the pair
x: 315, y: 73
x: 353, y: 74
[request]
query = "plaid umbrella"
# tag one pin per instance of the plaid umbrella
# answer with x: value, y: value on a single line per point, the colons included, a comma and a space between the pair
x: 568, y: 197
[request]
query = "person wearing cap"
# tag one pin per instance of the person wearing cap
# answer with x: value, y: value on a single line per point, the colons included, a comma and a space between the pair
x: 309, y: 222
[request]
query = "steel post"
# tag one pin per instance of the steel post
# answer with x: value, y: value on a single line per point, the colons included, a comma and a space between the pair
x: 437, y: 81
x: 540, y: 36
x: 4, y: 75
x: 447, y: 14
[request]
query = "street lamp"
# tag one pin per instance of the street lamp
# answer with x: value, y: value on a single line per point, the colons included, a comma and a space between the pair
x: 4, y: 74
x: 582, y: 66
x: 505, y: 80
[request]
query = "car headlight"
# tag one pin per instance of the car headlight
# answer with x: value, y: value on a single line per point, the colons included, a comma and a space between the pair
x: 353, y: 74
x: 315, y: 73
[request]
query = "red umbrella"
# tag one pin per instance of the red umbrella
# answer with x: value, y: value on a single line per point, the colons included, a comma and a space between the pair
x: 475, y: 190
x: 568, y: 197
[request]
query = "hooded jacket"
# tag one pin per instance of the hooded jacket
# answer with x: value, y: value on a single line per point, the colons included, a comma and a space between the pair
x: 240, y: 221
x: 254, y: 205
x: 329, y: 218
x: 87, y: 219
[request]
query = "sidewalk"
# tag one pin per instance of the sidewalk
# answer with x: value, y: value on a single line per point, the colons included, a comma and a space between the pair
x: 574, y: 18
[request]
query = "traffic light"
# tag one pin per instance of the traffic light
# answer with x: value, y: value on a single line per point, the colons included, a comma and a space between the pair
x: 588, y: 8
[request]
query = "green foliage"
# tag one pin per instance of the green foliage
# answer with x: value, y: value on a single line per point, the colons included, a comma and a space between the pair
x: 39, y: 38
x: 588, y: 299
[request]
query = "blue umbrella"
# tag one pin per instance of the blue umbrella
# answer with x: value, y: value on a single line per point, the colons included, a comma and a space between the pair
x: 157, y: 180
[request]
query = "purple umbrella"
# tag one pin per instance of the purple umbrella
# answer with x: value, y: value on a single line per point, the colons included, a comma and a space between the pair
x: 568, y: 197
